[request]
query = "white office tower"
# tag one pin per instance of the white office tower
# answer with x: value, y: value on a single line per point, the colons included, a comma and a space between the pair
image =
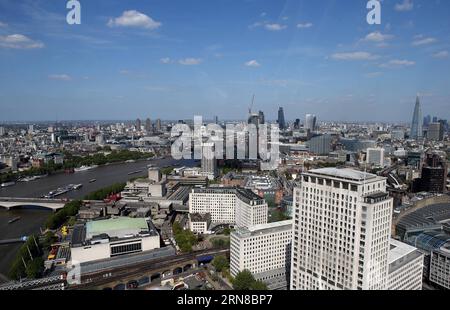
x: 264, y: 250
x: 236, y: 206
x: 341, y: 233
x: 2, y: 131
x: 375, y: 156
x: 251, y: 209
x: 209, y: 161
x: 405, y: 267
x: 310, y: 122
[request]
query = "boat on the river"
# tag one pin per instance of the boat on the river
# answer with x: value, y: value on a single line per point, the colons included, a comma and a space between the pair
x: 14, y: 220
x: 84, y: 168
x: 92, y: 180
x: 7, y: 184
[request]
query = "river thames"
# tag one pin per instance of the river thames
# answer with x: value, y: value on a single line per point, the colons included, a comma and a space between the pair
x: 32, y: 219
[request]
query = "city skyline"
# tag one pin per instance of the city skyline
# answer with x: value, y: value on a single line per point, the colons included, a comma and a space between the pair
x: 134, y: 58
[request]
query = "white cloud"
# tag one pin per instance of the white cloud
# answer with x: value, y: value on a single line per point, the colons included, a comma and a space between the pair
x: 60, y: 77
x: 406, y: 5
x: 134, y: 18
x: 253, y: 63
x: 190, y: 61
x: 304, y: 25
x: 377, y: 37
x: 275, y: 27
x: 442, y: 54
x: 354, y: 56
x: 398, y: 63
x: 420, y: 40
x: 166, y: 60
x: 3, y: 24
x: 19, y: 41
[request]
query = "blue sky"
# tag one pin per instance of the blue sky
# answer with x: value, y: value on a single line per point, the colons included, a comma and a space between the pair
x: 173, y: 59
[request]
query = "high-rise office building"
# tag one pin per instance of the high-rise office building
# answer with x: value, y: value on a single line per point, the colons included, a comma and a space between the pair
x: 261, y: 117
x: 342, y: 227
x: 148, y: 125
x: 253, y: 119
x: 320, y: 144
x: 2, y: 131
x: 264, y: 250
x: 158, y: 125
x: 310, y: 122
x: 236, y: 206
x: 434, y: 175
x: 426, y: 121
x: 435, y: 132
x: 341, y: 235
x: 209, y: 161
x: 281, y: 120
x: 375, y: 156
x: 297, y: 124
x: 416, y: 125
x: 138, y: 124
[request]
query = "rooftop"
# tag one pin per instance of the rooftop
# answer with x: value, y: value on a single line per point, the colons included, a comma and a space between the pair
x: 400, y: 254
x: 119, y: 227
x: 263, y: 228
x: 345, y: 173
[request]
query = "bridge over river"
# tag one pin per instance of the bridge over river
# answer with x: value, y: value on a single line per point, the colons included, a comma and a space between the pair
x: 13, y: 202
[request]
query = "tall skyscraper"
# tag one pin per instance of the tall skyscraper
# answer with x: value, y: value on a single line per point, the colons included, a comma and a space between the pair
x: 281, y: 120
x: 158, y: 124
x: 426, y: 121
x: 375, y: 156
x: 435, y: 132
x: 261, y: 117
x: 209, y: 161
x: 2, y: 131
x: 138, y: 124
x: 342, y: 228
x: 416, y: 125
x: 148, y: 125
x: 310, y: 122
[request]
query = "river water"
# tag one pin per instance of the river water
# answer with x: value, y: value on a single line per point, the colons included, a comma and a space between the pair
x: 32, y: 219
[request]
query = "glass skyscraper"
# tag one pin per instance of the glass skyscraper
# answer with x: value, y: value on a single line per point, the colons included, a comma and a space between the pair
x: 416, y: 125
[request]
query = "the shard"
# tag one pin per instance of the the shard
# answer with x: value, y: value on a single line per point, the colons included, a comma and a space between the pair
x: 416, y: 125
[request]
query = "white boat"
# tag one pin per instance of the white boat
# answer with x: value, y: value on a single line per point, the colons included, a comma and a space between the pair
x: 84, y: 168
x: 6, y: 184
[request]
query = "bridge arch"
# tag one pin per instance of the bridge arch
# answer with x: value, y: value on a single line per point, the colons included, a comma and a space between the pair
x: 187, y: 267
x: 177, y: 270
x: 11, y: 204
x: 155, y: 276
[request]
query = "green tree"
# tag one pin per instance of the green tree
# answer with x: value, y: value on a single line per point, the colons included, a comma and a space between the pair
x: 259, y: 286
x: 243, y: 280
x: 220, y: 262
x: 35, y: 268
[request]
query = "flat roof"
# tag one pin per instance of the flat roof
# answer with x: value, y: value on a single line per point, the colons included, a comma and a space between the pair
x: 263, y: 228
x: 401, y: 254
x: 344, y: 173
x: 116, y: 227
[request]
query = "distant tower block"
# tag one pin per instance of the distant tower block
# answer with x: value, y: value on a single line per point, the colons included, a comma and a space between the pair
x: 154, y: 174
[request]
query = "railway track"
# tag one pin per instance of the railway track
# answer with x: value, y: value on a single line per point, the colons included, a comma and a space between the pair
x: 92, y: 280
